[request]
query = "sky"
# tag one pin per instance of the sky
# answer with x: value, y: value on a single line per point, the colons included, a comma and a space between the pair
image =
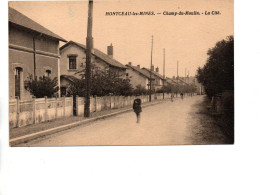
x: 186, y: 38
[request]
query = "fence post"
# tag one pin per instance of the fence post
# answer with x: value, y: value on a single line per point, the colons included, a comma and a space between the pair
x: 45, y: 108
x: 56, y: 108
x: 114, y: 101
x: 71, y: 103
x: 95, y: 103
x: 34, y: 111
x: 77, y: 105
x: 110, y: 101
x: 18, y: 112
x: 64, y: 106
x: 104, y: 98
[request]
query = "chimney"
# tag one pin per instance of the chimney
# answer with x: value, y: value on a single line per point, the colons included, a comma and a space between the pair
x: 138, y: 66
x: 157, y: 69
x: 130, y: 63
x: 110, y: 50
x: 152, y: 67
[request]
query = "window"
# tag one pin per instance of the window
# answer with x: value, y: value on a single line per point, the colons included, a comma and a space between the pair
x: 72, y: 62
x: 127, y: 74
x: 18, y: 81
x: 63, y: 91
x: 157, y: 82
x: 48, y: 73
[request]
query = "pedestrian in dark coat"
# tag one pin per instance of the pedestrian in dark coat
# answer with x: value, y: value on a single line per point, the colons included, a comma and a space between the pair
x: 181, y: 95
x: 137, y: 108
x: 172, y: 97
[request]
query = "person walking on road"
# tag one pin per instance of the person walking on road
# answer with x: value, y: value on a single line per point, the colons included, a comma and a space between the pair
x: 181, y: 95
x: 137, y: 108
x: 172, y: 97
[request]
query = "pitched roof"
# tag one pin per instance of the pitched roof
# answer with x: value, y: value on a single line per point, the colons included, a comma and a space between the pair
x: 182, y: 81
x: 108, y: 59
x: 98, y: 54
x: 70, y: 78
x: 154, y: 73
x: 141, y: 71
x: 169, y: 80
x: 21, y: 20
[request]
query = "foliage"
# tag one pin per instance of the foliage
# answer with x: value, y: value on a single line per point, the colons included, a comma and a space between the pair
x: 77, y: 88
x: 174, y: 88
x: 140, y: 90
x: 226, y: 120
x: 44, y: 86
x: 104, y: 82
x: 166, y: 89
x: 217, y: 74
x: 191, y: 88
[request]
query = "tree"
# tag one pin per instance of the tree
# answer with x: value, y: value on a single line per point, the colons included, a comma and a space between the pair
x: 140, y: 90
x: 104, y: 82
x: 44, y: 86
x: 169, y: 88
x: 217, y: 74
x: 166, y: 89
x: 77, y: 88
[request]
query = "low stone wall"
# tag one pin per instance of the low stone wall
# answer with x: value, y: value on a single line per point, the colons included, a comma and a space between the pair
x: 26, y: 112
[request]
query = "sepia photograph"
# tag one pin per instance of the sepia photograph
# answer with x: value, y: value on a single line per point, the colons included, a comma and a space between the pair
x: 129, y: 97
x: 121, y: 73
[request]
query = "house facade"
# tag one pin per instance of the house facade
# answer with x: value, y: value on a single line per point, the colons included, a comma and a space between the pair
x: 170, y: 81
x: 73, y: 58
x: 137, y: 76
x: 157, y: 83
x: 33, y: 51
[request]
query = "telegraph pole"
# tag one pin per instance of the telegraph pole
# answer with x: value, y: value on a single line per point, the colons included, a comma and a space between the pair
x: 150, y: 89
x: 188, y: 76
x: 185, y: 75
x: 89, y: 45
x: 163, y: 70
x: 177, y: 71
x: 177, y: 79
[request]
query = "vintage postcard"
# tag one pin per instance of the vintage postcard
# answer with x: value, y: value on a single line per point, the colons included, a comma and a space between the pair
x: 121, y: 73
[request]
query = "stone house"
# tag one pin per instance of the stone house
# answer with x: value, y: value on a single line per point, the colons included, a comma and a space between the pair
x: 73, y: 58
x: 33, y: 50
x: 137, y: 76
x: 158, y: 79
x: 170, y: 81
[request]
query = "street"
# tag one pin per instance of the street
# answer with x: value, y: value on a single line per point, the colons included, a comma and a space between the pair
x: 181, y: 122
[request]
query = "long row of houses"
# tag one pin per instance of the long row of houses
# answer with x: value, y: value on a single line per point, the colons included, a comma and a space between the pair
x: 34, y: 50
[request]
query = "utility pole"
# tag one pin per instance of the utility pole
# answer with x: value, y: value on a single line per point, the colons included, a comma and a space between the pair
x: 150, y: 89
x: 188, y: 76
x: 163, y: 70
x: 177, y: 71
x: 185, y: 76
x: 177, y: 79
x: 89, y: 45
